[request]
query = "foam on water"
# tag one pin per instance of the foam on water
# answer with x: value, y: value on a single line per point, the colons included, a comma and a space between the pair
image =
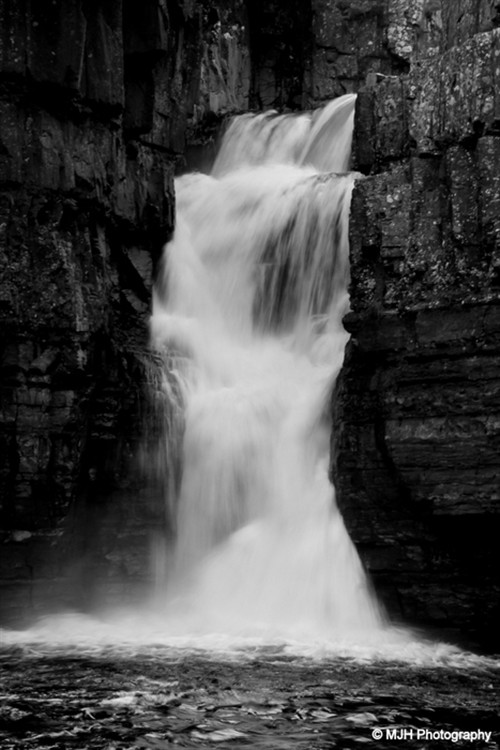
x: 125, y: 634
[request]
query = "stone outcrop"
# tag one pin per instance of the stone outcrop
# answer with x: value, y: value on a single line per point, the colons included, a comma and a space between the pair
x: 223, y: 79
x: 415, y: 452
x: 94, y: 100
x: 292, y: 56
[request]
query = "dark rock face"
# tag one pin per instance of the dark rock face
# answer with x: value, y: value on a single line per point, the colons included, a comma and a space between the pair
x: 306, y: 52
x: 290, y: 56
x: 223, y: 79
x: 416, y: 452
x: 281, y: 43
x: 94, y: 100
x: 350, y: 40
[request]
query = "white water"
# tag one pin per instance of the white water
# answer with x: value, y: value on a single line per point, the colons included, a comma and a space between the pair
x: 254, y: 292
x: 321, y: 139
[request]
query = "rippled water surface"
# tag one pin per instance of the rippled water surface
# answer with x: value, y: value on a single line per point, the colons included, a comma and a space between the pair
x: 93, y: 689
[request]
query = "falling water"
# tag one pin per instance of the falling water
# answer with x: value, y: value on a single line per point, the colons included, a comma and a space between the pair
x: 253, y: 294
x: 247, y: 326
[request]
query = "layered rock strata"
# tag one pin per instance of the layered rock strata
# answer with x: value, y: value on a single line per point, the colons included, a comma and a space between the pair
x: 417, y: 409
x: 94, y: 100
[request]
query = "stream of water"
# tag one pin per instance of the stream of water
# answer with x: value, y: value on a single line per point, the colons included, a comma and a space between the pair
x: 253, y: 294
x: 249, y: 306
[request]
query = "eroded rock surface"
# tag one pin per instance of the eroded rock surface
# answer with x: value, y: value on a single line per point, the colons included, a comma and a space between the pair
x: 94, y: 100
x: 416, y: 450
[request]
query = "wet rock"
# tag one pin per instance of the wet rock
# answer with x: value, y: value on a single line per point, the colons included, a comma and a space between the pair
x: 351, y: 40
x: 463, y: 19
x: 453, y: 96
x: 87, y: 156
x: 415, y: 457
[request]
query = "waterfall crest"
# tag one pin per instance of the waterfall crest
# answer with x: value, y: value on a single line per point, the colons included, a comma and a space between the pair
x: 252, y: 296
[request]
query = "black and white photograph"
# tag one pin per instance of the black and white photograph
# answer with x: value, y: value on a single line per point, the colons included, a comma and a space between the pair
x: 249, y: 374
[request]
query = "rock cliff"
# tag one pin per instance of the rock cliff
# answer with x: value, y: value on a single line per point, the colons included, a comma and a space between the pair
x: 94, y: 100
x: 416, y: 445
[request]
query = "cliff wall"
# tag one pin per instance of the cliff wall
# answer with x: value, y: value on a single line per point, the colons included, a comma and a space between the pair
x: 94, y: 99
x: 416, y: 448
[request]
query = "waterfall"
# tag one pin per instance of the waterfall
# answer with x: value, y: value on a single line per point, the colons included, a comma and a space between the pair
x: 251, y: 299
x: 248, y: 340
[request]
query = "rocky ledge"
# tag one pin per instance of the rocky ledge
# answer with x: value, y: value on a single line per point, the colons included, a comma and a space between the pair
x: 417, y: 408
x: 93, y: 104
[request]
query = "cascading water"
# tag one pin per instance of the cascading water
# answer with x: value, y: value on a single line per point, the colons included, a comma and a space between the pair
x: 253, y: 294
x: 247, y: 323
